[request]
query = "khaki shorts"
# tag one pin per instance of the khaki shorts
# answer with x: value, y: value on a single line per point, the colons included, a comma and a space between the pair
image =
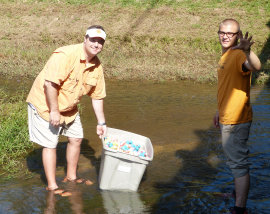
x: 46, y: 135
x: 234, y: 143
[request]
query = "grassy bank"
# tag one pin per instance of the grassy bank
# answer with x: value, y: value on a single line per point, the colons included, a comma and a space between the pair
x: 14, y: 144
x: 153, y: 39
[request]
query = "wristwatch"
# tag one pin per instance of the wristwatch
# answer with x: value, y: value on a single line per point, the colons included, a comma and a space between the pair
x: 102, y: 124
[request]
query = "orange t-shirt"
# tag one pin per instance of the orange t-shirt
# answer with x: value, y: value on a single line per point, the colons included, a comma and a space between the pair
x: 233, y: 89
x: 67, y: 68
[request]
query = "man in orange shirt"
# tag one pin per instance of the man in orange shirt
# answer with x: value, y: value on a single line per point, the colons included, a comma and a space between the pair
x: 234, y: 113
x: 71, y: 72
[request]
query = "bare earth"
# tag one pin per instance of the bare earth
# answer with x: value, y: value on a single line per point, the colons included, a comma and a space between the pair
x: 158, y: 43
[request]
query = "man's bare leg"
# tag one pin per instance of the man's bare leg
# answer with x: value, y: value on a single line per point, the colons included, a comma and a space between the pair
x: 49, y: 164
x: 72, y: 155
x: 241, y: 190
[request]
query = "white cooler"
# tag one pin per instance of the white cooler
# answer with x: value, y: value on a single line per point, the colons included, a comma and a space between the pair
x: 124, y: 158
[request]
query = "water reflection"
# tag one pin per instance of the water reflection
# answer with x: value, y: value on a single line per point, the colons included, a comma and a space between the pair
x: 122, y: 202
x: 75, y: 200
x: 51, y: 203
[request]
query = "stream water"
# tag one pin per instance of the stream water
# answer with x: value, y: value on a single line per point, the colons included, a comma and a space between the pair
x: 188, y: 173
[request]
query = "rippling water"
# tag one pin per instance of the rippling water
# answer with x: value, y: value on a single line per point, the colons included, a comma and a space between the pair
x: 188, y: 173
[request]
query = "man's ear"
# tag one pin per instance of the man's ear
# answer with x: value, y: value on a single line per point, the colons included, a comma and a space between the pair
x: 238, y: 34
x: 85, y: 38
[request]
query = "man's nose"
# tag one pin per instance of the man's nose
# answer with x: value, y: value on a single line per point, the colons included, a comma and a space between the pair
x: 225, y: 36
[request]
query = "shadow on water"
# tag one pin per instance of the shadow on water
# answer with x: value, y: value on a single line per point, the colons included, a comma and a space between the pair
x: 88, y: 152
x: 76, y: 203
x: 189, y: 191
x: 34, y: 159
x: 199, y: 184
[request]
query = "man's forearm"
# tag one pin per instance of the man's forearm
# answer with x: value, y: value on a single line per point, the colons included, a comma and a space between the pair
x: 98, y: 109
x: 254, y: 63
x: 51, y: 92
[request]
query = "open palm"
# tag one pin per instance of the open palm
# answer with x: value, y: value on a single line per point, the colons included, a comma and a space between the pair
x: 244, y: 42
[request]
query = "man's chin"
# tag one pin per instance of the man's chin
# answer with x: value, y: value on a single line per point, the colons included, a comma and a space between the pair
x: 226, y: 46
x: 94, y: 52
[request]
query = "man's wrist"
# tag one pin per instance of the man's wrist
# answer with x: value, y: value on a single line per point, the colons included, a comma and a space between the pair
x: 102, y: 123
x: 247, y: 51
x: 55, y: 111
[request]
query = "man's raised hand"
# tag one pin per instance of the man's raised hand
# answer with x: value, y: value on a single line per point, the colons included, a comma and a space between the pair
x: 244, y: 42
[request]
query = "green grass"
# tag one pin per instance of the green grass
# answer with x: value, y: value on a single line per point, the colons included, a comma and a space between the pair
x: 250, y: 6
x: 147, y: 39
x: 14, y: 138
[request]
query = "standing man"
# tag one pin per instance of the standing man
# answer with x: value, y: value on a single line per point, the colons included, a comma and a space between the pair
x: 234, y: 113
x: 71, y: 72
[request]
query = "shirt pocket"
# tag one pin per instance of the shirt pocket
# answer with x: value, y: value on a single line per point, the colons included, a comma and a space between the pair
x: 89, y: 83
x: 91, y: 79
x: 69, y: 85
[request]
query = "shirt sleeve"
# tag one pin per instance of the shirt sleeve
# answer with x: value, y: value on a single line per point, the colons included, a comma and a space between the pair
x: 56, y: 68
x: 241, y: 58
x: 99, y: 90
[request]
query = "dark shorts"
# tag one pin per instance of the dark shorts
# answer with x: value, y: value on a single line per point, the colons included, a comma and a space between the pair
x: 234, y: 143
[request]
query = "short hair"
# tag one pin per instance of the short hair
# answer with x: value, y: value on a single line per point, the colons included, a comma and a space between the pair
x: 95, y: 27
x: 229, y: 21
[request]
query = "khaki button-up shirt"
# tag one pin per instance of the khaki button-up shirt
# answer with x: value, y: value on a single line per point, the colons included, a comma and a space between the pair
x: 67, y: 68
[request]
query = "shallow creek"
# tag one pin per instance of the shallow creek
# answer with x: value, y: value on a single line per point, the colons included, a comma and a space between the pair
x: 188, y: 172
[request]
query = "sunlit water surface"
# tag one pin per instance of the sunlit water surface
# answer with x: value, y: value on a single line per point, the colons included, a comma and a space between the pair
x: 188, y: 173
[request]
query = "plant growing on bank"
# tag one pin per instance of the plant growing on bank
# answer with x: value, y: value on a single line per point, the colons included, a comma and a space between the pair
x: 147, y: 39
x: 14, y: 140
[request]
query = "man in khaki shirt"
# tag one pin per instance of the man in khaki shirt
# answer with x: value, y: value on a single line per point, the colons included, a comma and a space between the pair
x: 71, y: 72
